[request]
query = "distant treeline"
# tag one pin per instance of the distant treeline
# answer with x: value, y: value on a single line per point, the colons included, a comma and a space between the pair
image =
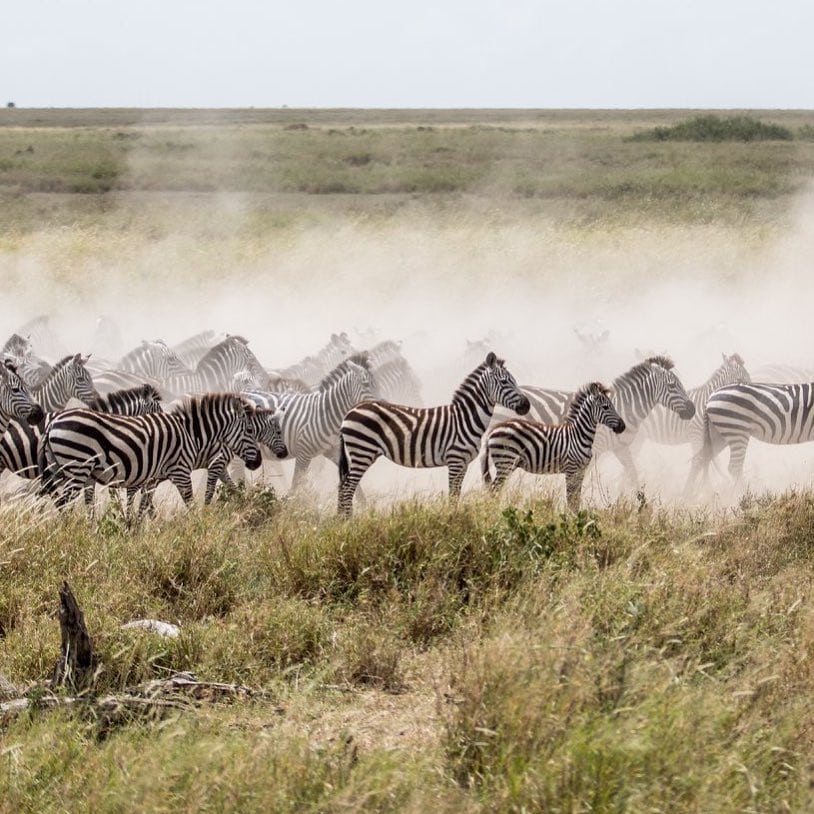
x: 720, y: 128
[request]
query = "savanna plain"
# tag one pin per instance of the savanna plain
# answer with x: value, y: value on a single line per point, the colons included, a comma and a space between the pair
x: 498, y: 654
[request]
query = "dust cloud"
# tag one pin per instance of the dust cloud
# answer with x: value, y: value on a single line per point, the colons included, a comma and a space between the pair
x: 286, y: 273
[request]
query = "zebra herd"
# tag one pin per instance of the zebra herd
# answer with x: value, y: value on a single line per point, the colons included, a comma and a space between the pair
x: 162, y: 412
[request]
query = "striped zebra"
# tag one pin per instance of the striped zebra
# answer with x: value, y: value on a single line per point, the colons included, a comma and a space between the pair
x: 191, y: 350
x: 68, y: 379
x: 142, y: 451
x: 20, y: 442
x: 449, y: 435
x: 154, y: 360
x: 16, y: 401
x: 634, y: 394
x: 665, y: 427
x: 19, y: 351
x: 313, y: 368
x: 216, y: 371
x: 311, y: 421
x: 772, y: 413
x: 547, y: 449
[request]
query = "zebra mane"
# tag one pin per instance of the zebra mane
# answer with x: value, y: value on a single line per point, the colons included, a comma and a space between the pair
x: 143, y: 392
x: 737, y: 359
x: 662, y: 361
x: 583, y: 394
x: 230, y: 401
x: 62, y: 363
x: 362, y: 359
x: 642, y: 370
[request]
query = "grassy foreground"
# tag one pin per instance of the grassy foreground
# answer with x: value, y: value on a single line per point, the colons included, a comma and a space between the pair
x: 431, y: 657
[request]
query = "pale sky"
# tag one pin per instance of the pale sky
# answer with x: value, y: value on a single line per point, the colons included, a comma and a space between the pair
x: 411, y: 53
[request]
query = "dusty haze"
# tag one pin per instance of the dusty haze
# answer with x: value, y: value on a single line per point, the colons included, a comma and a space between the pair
x: 435, y: 275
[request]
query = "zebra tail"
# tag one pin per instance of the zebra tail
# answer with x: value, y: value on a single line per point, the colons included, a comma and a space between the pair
x: 344, y: 465
x: 484, y: 467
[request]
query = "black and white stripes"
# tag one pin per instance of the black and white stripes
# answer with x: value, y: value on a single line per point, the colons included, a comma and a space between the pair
x: 449, y: 435
x: 542, y: 449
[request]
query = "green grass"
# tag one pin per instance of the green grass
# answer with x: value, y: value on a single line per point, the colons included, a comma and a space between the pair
x: 480, y: 657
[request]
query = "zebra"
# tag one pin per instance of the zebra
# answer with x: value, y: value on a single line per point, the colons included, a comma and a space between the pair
x: 449, y: 435
x: 313, y: 368
x: 154, y: 360
x: 634, y: 394
x: 142, y: 451
x: 772, y: 413
x: 16, y: 401
x: 194, y: 348
x: 68, y: 379
x: 18, y: 351
x: 311, y: 421
x: 552, y: 448
x: 217, y: 369
x: 665, y: 427
x: 20, y: 441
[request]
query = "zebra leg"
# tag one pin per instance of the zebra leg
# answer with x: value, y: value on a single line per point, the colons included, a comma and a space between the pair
x: 350, y: 473
x: 573, y: 488
x: 89, y: 490
x: 503, y: 468
x: 457, y: 470
x: 146, y: 504
x: 737, y: 455
x: 301, y: 466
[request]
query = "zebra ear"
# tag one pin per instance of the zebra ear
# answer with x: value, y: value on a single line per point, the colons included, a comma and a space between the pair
x: 491, y: 358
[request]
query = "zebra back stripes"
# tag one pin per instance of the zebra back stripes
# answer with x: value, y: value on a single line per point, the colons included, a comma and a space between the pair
x: 311, y: 421
x: 216, y: 371
x: 449, y: 435
x: 141, y: 451
x: 20, y: 442
x: 552, y: 448
x: 154, y: 360
x: 772, y: 413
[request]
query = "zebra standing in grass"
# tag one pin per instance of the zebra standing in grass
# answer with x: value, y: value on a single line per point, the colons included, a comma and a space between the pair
x: 20, y: 441
x: 311, y: 421
x: 16, y: 401
x: 772, y: 413
x: 141, y: 451
x: 216, y: 371
x: 634, y: 394
x: 547, y: 449
x: 449, y: 435
x: 68, y: 379
x: 665, y: 427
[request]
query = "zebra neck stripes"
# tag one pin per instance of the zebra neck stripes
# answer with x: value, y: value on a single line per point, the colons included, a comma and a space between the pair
x: 67, y: 379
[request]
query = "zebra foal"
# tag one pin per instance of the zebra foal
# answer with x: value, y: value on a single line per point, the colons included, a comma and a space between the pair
x: 548, y: 449
x: 449, y: 435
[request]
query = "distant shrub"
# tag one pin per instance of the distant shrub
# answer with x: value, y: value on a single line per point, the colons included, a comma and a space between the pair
x: 716, y: 128
x: 806, y: 132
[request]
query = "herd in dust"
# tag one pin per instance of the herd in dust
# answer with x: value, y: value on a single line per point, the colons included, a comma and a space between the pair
x: 162, y: 411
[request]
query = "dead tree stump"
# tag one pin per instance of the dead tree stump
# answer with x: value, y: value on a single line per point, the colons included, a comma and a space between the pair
x: 77, y: 661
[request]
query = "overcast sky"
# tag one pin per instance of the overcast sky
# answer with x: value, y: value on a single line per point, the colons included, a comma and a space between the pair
x: 418, y: 53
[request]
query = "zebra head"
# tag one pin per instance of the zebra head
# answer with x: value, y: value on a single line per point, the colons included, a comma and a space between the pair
x: 169, y: 363
x: 501, y: 387
x: 268, y: 430
x: 79, y: 382
x: 668, y: 389
x: 361, y: 382
x: 601, y: 408
x: 15, y: 400
x: 734, y: 370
